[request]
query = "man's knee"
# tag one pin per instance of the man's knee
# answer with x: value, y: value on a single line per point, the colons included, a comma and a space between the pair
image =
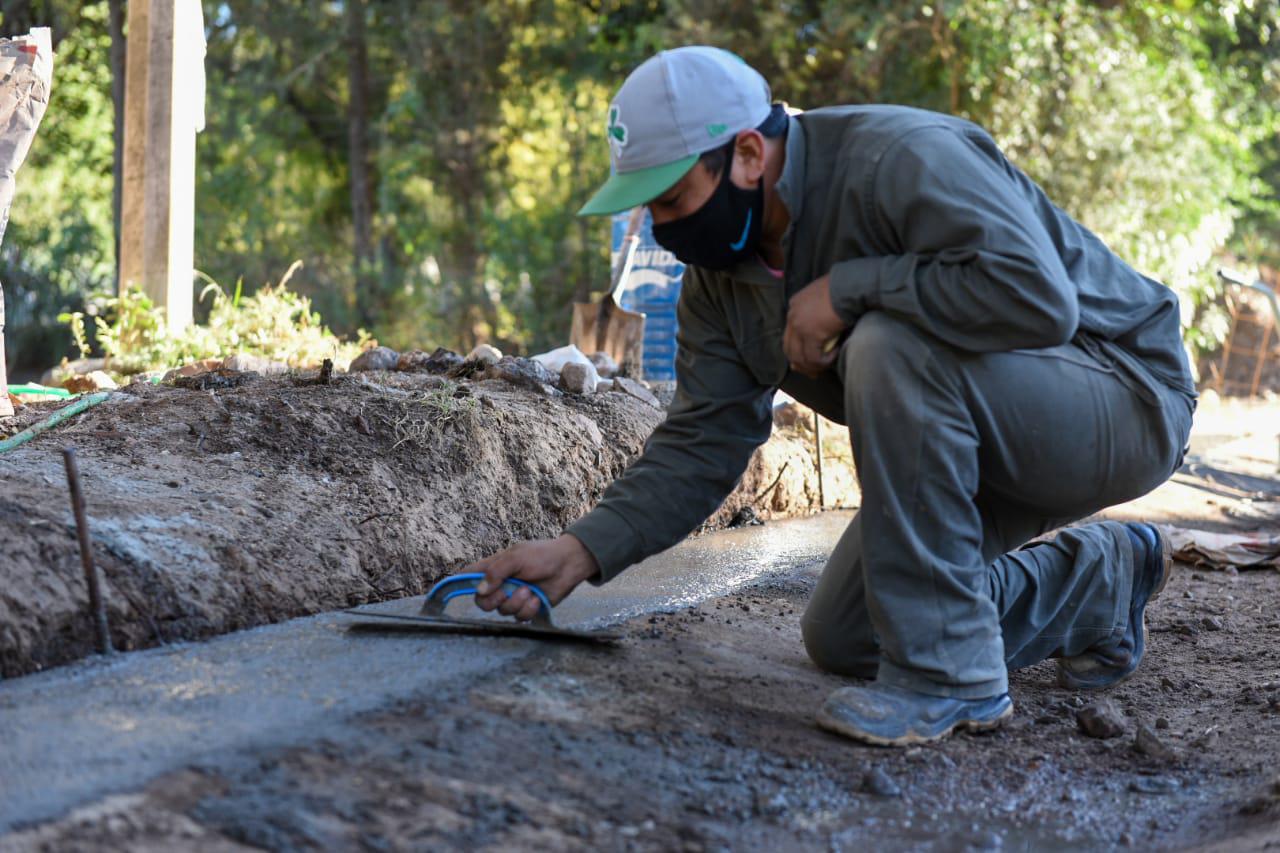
x: 878, y: 343
x: 837, y: 652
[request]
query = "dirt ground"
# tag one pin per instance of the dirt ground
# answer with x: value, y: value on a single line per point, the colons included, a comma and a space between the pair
x: 696, y: 733
x: 241, y: 500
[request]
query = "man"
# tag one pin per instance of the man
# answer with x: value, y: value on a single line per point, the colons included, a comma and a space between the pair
x: 1000, y: 370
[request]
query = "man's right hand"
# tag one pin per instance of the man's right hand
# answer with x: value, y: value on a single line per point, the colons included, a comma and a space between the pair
x: 556, y: 565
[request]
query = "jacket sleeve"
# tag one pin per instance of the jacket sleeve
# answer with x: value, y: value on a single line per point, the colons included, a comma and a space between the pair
x: 973, y: 264
x: 691, y: 462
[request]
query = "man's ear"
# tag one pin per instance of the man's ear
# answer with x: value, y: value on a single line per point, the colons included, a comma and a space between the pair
x: 748, y: 158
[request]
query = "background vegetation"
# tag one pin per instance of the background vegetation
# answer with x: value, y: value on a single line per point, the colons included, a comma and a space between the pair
x: 424, y: 157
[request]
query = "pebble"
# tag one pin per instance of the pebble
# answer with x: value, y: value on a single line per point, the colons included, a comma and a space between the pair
x: 378, y: 358
x: 439, y: 361
x: 1148, y: 743
x: 1101, y: 719
x: 1211, y: 623
x: 1162, y: 723
x: 881, y: 784
x: 485, y: 354
x: 578, y: 378
x: 635, y: 389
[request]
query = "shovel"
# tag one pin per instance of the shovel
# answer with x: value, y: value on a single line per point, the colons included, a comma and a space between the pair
x: 606, y: 326
x: 433, y: 616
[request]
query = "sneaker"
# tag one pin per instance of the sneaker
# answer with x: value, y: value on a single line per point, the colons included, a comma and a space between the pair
x: 1106, y: 666
x: 891, y: 716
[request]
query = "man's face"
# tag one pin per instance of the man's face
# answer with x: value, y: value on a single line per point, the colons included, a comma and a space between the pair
x: 686, y: 196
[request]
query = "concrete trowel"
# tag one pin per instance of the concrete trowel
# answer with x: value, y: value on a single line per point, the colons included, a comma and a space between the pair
x: 432, y: 617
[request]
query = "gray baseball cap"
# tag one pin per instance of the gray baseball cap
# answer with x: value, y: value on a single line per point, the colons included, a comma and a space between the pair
x: 672, y: 108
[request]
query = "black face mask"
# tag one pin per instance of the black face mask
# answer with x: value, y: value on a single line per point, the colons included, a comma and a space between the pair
x: 724, y: 231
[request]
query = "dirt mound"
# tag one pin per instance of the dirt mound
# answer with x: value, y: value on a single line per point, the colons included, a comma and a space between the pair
x: 219, y: 508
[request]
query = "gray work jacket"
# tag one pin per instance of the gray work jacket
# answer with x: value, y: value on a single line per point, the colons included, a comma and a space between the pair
x: 911, y: 212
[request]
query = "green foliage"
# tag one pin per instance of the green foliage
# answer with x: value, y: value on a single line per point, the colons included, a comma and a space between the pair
x: 274, y: 322
x: 1156, y: 123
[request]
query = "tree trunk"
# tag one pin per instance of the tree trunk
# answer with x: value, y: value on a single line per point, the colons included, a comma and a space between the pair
x: 358, y: 157
x: 115, y: 24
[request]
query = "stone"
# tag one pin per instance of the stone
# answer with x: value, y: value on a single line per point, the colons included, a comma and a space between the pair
x: 485, y: 354
x: 605, y: 366
x: 1211, y: 623
x: 578, y: 378
x: 194, y: 368
x: 1148, y: 743
x: 522, y: 372
x: 604, y: 385
x: 790, y: 414
x: 260, y: 365
x: 881, y: 784
x: 1101, y: 719
x: 635, y: 389
x: 440, y: 361
x: 95, y: 380
x: 375, y: 358
x: 1162, y: 723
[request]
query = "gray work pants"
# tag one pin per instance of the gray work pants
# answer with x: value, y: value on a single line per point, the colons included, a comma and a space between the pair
x: 962, y: 458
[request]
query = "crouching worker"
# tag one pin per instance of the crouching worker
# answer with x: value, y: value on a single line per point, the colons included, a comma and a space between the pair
x: 1000, y: 370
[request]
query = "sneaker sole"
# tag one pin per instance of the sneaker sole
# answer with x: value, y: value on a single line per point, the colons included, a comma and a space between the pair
x: 912, y: 739
x: 1166, y: 571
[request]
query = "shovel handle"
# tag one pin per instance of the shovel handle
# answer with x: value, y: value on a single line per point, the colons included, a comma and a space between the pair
x: 465, y: 584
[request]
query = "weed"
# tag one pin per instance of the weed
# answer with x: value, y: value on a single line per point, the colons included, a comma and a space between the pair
x: 424, y: 413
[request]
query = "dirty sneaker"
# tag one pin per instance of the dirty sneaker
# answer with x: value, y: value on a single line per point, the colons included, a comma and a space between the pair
x: 891, y: 716
x: 1106, y: 666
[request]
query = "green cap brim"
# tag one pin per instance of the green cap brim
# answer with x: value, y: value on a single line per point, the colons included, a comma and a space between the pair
x: 625, y: 191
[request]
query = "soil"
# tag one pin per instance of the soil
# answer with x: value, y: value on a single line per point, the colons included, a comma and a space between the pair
x: 239, y: 500
x: 697, y: 733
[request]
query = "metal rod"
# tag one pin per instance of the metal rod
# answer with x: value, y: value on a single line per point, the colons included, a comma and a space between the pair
x: 97, y: 606
x: 817, y: 439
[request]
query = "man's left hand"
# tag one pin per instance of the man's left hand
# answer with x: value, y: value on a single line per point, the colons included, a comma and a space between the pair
x: 812, y: 329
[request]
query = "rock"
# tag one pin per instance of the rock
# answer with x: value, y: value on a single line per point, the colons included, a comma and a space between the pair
x: 556, y: 359
x: 578, y: 378
x: 881, y: 784
x: 605, y: 366
x: 604, y: 385
x: 1211, y: 623
x: 95, y: 380
x: 1148, y: 743
x: 523, y: 372
x: 54, y: 376
x: 194, y: 368
x: 440, y: 361
x: 377, y: 358
x: 246, y: 363
x: 485, y: 354
x: 1101, y: 719
x: 1162, y: 723
x: 635, y: 389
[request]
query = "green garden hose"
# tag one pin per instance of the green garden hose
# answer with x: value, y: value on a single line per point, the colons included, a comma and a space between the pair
x: 40, y: 389
x: 88, y: 401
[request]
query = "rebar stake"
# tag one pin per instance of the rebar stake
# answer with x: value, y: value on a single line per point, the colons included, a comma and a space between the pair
x: 817, y: 439
x: 96, y: 605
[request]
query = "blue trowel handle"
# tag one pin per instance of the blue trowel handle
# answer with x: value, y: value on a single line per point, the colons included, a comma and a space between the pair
x: 465, y: 584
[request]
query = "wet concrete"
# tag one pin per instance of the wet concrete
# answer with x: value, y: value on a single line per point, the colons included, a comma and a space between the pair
x: 103, y: 726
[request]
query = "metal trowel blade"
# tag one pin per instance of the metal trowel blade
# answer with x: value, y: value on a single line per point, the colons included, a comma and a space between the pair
x: 398, y: 623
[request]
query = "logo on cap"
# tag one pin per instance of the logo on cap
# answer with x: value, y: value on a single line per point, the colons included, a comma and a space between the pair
x: 617, y: 132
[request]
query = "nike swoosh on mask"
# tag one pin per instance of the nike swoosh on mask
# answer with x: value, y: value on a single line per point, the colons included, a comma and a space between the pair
x: 746, y: 229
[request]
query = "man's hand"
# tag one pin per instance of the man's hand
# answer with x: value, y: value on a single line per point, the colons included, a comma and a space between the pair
x: 812, y: 329
x: 556, y: 565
